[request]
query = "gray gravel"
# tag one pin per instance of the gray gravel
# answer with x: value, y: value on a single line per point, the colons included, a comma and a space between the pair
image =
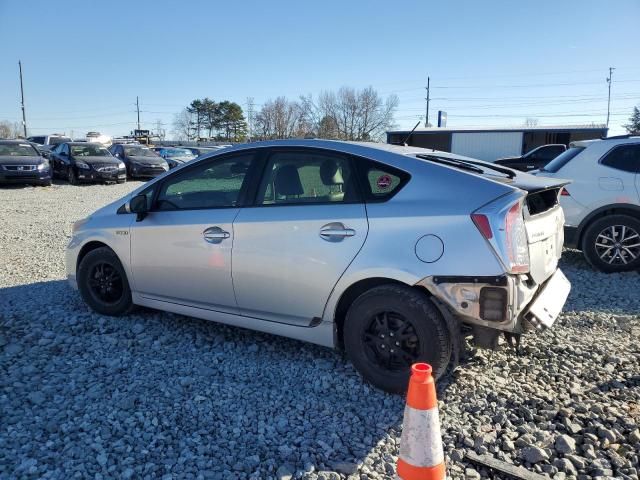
x: 157, y: 395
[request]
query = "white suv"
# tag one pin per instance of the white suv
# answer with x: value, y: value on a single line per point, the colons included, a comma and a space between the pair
x: 602, y: 203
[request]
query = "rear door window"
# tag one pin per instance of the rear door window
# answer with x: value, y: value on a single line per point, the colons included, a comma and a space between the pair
x: 561, y: 160
x: 307, y: 177
x: 623, y: 157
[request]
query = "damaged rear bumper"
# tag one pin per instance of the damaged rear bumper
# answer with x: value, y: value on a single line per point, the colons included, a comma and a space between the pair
x: 507, y: 303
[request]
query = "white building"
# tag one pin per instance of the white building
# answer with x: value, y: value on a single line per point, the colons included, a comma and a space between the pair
x: 492, y: 143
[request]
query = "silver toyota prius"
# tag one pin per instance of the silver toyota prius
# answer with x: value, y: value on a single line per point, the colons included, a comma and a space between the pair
x: 384, y: 251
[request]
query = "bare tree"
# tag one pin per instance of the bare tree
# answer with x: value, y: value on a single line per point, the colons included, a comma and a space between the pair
x: 281, y: 118
x: 10, y: 129
x: 182, y: 125
x: 530, y: 122
x: 347, y: 114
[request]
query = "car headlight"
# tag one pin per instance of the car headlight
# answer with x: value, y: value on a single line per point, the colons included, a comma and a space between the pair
x: 44, y: 165
x: 121, y: 166
x: 82, y: 165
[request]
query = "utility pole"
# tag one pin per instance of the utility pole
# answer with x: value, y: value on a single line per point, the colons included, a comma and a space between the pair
x: 24, y: 118
x: 426, y: 117
x: 249, y: 117
x: 138, y: 109
x: 611, y: 69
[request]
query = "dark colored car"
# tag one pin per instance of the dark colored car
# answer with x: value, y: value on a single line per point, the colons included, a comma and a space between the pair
x: 175, y: 155
x: 197, y: 151
x: 86, y: 162
x: 534, y: 159
x: 140, y: 161
x: 21, y: 162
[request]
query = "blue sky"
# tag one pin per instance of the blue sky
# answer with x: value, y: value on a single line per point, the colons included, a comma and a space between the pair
x: 491, y: 62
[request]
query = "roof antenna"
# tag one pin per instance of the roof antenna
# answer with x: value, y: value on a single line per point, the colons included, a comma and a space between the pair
x: 410, y: 133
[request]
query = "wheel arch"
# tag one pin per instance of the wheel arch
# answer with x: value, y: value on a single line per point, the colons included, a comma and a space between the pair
x: 89, y: 247
x: 612, y: 209
x: 351, y: 293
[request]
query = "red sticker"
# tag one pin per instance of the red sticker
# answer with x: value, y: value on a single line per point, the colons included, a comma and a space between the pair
x: 384, y: 181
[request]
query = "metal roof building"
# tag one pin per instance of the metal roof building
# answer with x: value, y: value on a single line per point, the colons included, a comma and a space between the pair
x: 493, y: 143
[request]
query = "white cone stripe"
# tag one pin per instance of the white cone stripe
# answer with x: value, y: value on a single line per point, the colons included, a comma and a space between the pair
x: 421, y: 442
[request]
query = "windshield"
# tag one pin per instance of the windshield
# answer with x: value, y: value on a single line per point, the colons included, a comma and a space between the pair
x: 57, y: 140
x: 177, y: 152
x: 561, y: 160
x: 89, y: 151
x: 140, y: 152
x: 17, y: 150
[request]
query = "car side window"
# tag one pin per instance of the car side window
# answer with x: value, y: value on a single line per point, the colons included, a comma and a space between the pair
x: 380, y: 182
x: 623, y: 157
x: 209, y: 185
x: 303, y: 177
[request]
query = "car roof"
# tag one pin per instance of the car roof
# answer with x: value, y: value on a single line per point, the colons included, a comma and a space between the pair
x: 611, y: 141
x: 364, y: 149
x: 83, y: 144
x: 9, y: 141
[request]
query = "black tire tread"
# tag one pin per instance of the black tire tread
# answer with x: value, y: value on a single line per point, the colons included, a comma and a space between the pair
x: 126, y: 305
x: 420, y: 302
x: 593, y: 229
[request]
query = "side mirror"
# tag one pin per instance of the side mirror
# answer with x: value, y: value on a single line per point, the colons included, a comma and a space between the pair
x: 138, y: 205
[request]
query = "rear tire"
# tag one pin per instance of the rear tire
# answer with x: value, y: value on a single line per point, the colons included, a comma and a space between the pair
x: 103, y: 283
x: 390, y: 327
x: 610, y: 243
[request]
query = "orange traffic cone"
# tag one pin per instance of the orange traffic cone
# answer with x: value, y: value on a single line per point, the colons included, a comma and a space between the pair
x: 421, y: 454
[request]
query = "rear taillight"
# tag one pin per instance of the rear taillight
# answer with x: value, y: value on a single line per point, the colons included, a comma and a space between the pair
x: 564, y: 192
x: 482, y: 222
x: 517, y: 246
x: 503, y: 227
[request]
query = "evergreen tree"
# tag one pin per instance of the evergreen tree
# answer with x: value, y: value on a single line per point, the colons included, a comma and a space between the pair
x: 634, y: 122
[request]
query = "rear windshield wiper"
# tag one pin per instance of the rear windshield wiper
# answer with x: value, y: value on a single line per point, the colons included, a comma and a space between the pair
x: 467, y: 164
x: 451, y: 162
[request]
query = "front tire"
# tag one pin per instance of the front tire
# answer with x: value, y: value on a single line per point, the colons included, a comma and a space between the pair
x: 103, y: 283
x: 612, y: 243
x: 71, y: 176
x: 390, y: 327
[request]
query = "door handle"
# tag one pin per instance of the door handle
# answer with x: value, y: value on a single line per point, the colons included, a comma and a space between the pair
x: 335, y: 232
x: 215, y: 234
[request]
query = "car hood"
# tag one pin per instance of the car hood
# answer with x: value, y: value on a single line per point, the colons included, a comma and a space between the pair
x: 147, y: 160
x: 15, y: 160
x: 92, y: 160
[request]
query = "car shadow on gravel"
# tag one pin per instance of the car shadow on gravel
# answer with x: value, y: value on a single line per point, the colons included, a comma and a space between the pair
x: 154, y: 393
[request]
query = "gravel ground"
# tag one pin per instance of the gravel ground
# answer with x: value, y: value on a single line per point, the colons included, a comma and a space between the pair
x: 157, y: 395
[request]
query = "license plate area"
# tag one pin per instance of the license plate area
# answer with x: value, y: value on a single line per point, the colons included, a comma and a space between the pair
x: 548, y: 305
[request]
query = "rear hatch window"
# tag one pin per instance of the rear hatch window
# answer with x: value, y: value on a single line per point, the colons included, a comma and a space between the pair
x: 561, y: 160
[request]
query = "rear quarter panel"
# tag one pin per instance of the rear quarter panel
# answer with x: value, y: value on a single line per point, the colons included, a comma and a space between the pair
x: 437, y: 201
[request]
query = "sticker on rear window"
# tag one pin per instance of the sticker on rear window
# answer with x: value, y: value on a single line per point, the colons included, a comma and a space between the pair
x: 383, y: 182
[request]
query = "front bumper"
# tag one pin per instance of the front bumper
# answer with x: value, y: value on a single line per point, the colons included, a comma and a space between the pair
x: 27, y: 176
x: 146, y: 171
x: 94, y: 176
x: 527, y: 304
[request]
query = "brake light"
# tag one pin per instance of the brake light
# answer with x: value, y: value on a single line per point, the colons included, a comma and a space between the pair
x: 517, y: 247
x: 502, y: 225
x: 482, y: 222
x: 564, y: 192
